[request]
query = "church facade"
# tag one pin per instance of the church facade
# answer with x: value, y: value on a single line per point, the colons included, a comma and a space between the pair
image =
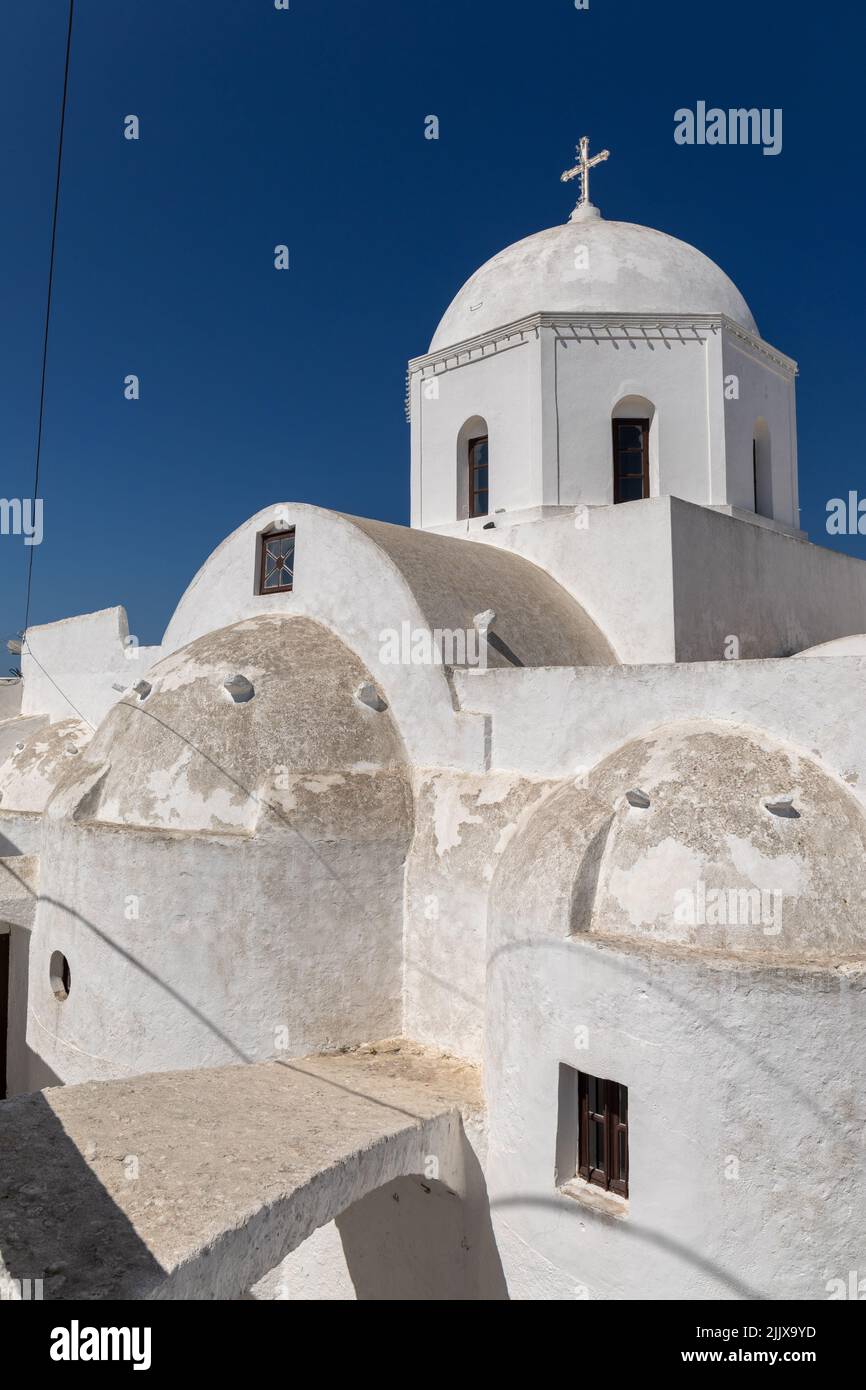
x: 565, y: 781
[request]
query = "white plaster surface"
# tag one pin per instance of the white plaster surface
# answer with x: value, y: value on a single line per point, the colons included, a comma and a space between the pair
x: 232, y: 1169
x: 546, y: 389
x: 480, y: 862
x: 222, y: 869
x: 814, y: 704
x: 627, y: 268
x: 694, y: 578
x: 70, y: 667
x: 720, y: 1062
x: 362, y: 579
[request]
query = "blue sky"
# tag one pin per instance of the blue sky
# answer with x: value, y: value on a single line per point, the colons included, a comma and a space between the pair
x: 306, y: 127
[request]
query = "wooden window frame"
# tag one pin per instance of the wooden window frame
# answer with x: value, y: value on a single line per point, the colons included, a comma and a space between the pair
x: 613, y: 1121
x: 644, y: 425
x: 472, y: 469
x: 278, y: 533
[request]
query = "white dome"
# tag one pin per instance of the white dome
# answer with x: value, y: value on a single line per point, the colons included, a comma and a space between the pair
x: 631, y: 269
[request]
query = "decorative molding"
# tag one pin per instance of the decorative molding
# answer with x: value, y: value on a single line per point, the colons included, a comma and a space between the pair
x: 475, y: 349
x: 634, y: 328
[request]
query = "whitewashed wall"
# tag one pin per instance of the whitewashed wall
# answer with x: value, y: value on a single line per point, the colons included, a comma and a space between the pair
x: 765, y: 391
x: 548, y: 389
x: 71, y: 667
x: 504, y: 389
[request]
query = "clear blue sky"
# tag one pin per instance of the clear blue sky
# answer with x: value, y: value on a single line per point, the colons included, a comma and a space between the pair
x: 307, y: 127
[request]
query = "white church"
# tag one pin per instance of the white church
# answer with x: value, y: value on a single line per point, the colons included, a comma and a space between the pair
x: 474, y: 909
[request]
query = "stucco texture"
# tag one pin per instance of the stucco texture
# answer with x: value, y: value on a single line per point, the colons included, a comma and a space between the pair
x: 188, y: 757
x: 627, y: 267
x: 738, y: 1048
x: 226, y: 879
x: 194, y: 1185
x: 644, y: 845
x: 38, y: 761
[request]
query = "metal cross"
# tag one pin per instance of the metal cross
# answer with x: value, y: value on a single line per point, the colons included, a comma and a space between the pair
x: 582, y: 168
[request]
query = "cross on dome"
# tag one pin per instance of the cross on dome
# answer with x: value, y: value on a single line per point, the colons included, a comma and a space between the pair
x: 584, y: 207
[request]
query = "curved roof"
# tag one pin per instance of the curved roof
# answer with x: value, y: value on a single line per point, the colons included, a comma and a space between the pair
x: 355, y: 574
x: 38, y: 761
x: 537, y: 622
x: 628, y: 269
x: 652, y: 844
x: 298, y: 745
x: 368, y: 580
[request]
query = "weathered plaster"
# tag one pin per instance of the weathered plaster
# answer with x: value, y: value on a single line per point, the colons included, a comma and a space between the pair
x: 196, y: 1184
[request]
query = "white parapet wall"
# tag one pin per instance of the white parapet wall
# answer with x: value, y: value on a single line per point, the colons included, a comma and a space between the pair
x: 667, y: 580
x: 73, y: 668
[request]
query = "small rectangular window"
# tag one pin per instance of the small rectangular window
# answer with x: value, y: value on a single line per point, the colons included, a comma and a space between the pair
x: 602, y: 1145
x: 630, y: 460
x: 478, y: 477
x: 277, y: 571
x: 592, y: 1132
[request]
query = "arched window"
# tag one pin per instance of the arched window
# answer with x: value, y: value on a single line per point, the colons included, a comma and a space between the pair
x: 762, y: 477
x: 632, y: 423
x: 473, y: 468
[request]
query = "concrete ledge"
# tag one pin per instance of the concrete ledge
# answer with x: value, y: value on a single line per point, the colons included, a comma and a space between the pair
x: 193, y: 1185
x: 756, y: 519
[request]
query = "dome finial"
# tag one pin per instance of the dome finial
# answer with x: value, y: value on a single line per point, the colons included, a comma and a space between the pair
x: 584, y: 207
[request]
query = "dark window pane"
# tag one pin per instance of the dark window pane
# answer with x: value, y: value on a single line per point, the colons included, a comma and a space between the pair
x: 629, y: 460
x: 629, y: 436
x: 630, y: 489
x: 478, y: 477
x: 596, y: 1145
x: 594, y: 1094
